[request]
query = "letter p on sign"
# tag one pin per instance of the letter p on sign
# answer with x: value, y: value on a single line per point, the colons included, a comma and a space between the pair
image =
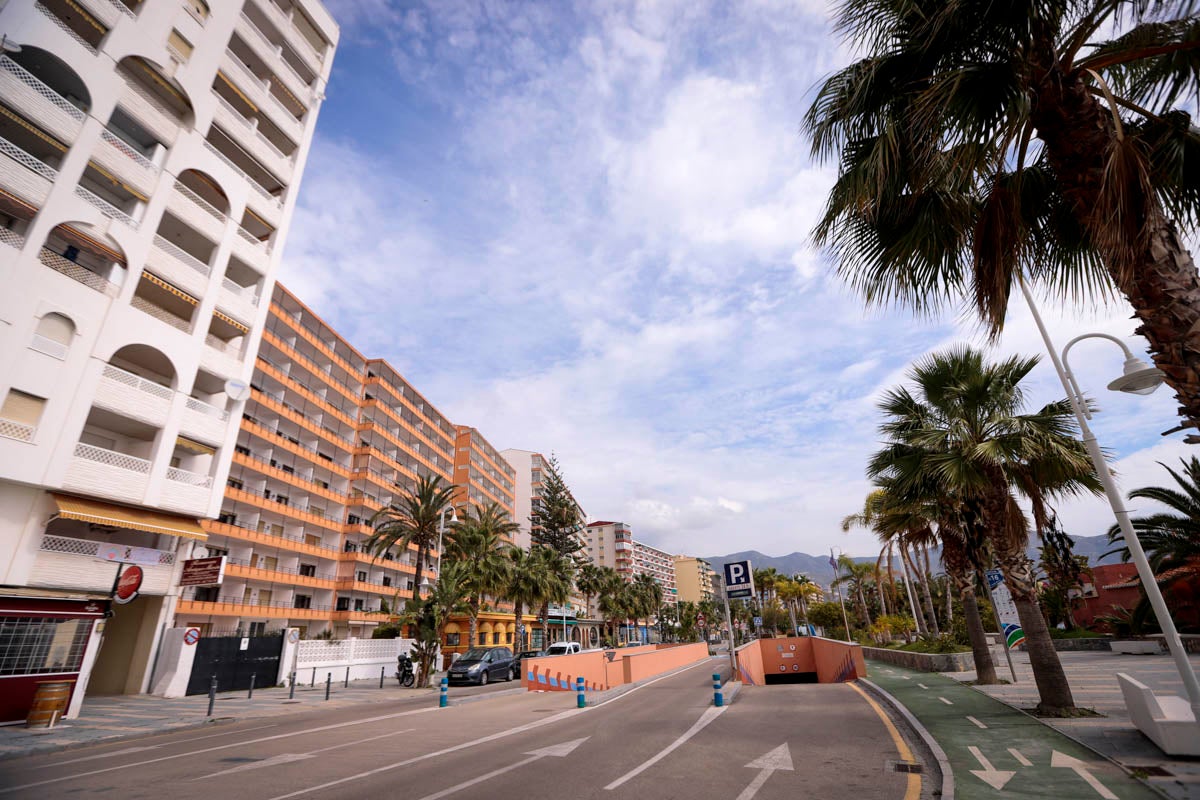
x: 739, y: 580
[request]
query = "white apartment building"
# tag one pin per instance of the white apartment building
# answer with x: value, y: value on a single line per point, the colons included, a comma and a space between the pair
x: 150, y: 154
x: 611, y: 544
x: 658, y: 564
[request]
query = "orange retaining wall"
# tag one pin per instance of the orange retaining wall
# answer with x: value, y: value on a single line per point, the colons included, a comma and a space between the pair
x: 833, y: 661
x: 559, y: 673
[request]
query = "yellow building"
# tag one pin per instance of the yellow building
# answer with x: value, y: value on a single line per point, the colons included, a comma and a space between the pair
x: 693, y: 579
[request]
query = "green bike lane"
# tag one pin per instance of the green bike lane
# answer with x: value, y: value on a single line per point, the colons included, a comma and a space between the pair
x: 997, y: 752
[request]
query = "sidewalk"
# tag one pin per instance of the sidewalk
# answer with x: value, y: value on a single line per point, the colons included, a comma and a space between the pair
x: 1093, y: 683
x: 106, y: 719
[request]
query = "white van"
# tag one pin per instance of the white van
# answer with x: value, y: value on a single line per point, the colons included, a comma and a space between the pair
x: 563, y: 648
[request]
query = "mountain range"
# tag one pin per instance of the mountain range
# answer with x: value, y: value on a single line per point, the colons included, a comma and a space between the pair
x: 818, y: 568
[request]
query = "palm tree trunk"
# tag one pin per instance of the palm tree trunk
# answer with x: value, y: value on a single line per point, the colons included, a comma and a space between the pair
x: 519, y: 618
x: 961, y: 575
x: 917, y: 613
x: 1054, y: 691
x: 933, y: 621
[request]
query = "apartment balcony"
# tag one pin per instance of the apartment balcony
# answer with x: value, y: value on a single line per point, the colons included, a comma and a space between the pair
x: 312, y: 56
x: 197, y: 212
x: 67, y: 562
x: 361, y: 616
x: 252, y: 140
x: 185, y: 491
x: 259, y: 93
x: 240, y: 607
x: 38, y: 102
x: 127, y: 394
x: 240, y: 302
x: 240, y: 568
x: 203, y: 422
x: 77, y: 273
x: 253, y: 251
x: 179, y: 267
x: 150, y: 112
x: 24, y: 176
x: 222, y: 145
x: 126, y: 163
x: 221, y: 357
x: 269, y: 52
x: 295, y: 544
x: 107, y: 473
x: 70, y: 22
x: 107, y: 12
x: 161, y: 300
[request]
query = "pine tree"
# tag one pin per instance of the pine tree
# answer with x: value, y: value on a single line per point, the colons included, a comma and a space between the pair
x: 557, y: 521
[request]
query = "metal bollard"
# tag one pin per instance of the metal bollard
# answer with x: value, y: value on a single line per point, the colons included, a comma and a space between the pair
x: 581, y: 700
x: 328, y: 683
x: 346, y: 683
x: 313, y: 682
x: 445, y: 698
x: 250, y: 694
x: 292, y: 686
x: 382, y: 670
x: 212, y: 694
x: 718, y: 698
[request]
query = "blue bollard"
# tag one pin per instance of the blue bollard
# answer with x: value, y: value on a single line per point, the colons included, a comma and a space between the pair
x: 582, y: 701
x: 718, y: 698
x: 445, y: 699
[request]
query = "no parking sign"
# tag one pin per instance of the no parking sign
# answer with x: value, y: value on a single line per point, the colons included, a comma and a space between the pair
x: 191, y: 636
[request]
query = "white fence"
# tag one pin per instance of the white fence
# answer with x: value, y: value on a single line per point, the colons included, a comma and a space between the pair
x: 364, y: 657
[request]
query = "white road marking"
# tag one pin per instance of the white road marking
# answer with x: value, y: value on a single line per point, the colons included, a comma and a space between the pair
x: 128, y: 750
x: 944, y: 700
x: 648, y: 683
x: 977, y: 722
x: 191, y: 753
x: 1024, y: 762
x: 287, y: 758
x: 779, y: 758
x: 708, y: 716
x: 555, y: 750
x: 905, y: 677
x: 1058, y: 759
x: 923, y: 686
x: 995, y: 778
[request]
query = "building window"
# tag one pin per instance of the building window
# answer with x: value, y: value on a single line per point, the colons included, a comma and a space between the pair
x: 508, y: 637
x: 358, y: 604
x: 53, y: 336
x: 258, y: 628
x: 387, y: 581
x: 343, y: 604
x: 198, y: 9
x: 33, y: 645
x: 453, y: 639
x: 496, y: 637
x: 228, y: 517
x: 303, y: 601
x: 354, y: 519
x: 179, y: 47
x: 310, y: 570
x: 360, y: 576
x: 207, y: 594
x: 20, y: 415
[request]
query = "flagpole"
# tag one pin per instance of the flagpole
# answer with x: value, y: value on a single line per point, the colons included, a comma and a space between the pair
x: 841, y: 593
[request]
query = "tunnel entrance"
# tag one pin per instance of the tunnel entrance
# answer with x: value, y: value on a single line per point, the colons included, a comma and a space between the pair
x: 791, y: 677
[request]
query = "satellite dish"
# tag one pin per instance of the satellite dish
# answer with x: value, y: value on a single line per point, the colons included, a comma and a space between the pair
x: 8, y: 47
x: 200, y: 552
x: 237, y: 390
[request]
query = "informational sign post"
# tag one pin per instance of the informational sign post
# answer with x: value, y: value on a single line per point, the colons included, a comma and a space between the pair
x: 739, y: 580
x: 203, y: 571
x: 1006, y: 615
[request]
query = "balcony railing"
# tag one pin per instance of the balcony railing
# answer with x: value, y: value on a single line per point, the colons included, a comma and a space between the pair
x: 112, y: 458
x: 58, y: 23
x: 150, y: 111
x: 198, y: 212
x: 89, y: 548
x: 38, y: 101
x: 25, y: 175
x: 190, y: 478
x: 137, y: 382
x: 301, y: 44
x: 274, y: 201
x: 11, y: 429
x: 116, y: 154
x: 106, y: 208
x: 77, y: 273
x: 202, y: 407
x: 11, y: 238
x: 160, y: 314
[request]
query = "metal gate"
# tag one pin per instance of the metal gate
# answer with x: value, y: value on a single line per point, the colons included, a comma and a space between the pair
x: 232, y: 660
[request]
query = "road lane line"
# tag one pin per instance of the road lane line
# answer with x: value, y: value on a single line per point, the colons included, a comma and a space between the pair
x: 189, y: 753
x: 1022, y: 760
x: 708, y: 716
x: 656, y: 680
x: 944, y: 700
x: 287, y: 758
x: 923, y: 686
x: 128, y: 750
x: 556, y: 750
x: 913, y: 790
x: 977, y: 722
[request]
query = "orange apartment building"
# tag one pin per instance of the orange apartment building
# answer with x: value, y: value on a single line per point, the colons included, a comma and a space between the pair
x: 328, y: 437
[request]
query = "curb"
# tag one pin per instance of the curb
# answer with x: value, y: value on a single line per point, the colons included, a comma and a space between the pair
x: 1153, y: 787
x: 475, y: 698
x: 938, y: 753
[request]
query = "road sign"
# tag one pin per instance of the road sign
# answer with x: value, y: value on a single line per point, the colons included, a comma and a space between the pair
x: 700, y: 619
x: 128, y: 584
x: 1006, y: 609
x: 739, y: 580
x: 191, y: 636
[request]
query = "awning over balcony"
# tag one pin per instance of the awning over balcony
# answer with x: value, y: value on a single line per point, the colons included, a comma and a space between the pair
x: 138, y: 519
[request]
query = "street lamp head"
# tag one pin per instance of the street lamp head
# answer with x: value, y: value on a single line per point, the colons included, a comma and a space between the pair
x: 1139, y: 377
x: 453, y: 515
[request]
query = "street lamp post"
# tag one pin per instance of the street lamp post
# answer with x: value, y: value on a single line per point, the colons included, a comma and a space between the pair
x: 1138, y: 378
x: 425, y: 584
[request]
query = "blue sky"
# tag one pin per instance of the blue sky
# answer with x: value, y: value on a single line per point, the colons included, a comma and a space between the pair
x: 583, y: 229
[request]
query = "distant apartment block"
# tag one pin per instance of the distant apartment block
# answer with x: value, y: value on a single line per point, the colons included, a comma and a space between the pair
x: 611, y: 544
x: 149, y: 158
x: 530, y: 469
x: 694, y: 579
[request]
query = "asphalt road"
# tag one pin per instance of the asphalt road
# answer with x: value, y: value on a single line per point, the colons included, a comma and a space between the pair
x: 662, y: 739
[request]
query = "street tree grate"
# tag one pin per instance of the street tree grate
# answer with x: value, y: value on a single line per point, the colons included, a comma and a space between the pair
x: 906, y: 767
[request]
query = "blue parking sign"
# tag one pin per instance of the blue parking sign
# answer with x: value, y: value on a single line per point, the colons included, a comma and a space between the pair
x: 739, y: 580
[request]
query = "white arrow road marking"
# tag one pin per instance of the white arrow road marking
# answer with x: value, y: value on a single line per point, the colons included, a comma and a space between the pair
x: 1081, y: 769
x: 1025, y: 762
x: 287, y: 758
x: 705, y: 718
x: 944, y: 700
x: 553, y: 751
x: 977, y: 722
x: 779, y: 758
x: 995, y: 778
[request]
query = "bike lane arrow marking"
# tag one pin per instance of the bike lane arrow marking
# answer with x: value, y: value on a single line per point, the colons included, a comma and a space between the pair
x: 995, y: 778
x: 1081, y: 769
x: 779, y: 758
x: 554, y: 751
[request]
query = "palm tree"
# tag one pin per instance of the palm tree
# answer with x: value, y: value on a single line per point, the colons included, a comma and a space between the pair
x: 477, y: 541
x: 647, y: 598
x: 853, y: 575
x: 432, y: 614
x: 963, y: 433
x: 559, y: 572
x: 414, y: 519
x: 589, y: 580
x: 1171, y: 538
x: 528, y: 582
x: 977, y: 139
x: 612, y: 602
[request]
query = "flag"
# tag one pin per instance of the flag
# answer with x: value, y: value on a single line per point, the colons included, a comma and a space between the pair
x: 832, y: 561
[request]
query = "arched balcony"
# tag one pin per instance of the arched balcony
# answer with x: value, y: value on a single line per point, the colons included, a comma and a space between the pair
x: 86, y: 255
x: 45, y: 90
x: 153, y: 99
